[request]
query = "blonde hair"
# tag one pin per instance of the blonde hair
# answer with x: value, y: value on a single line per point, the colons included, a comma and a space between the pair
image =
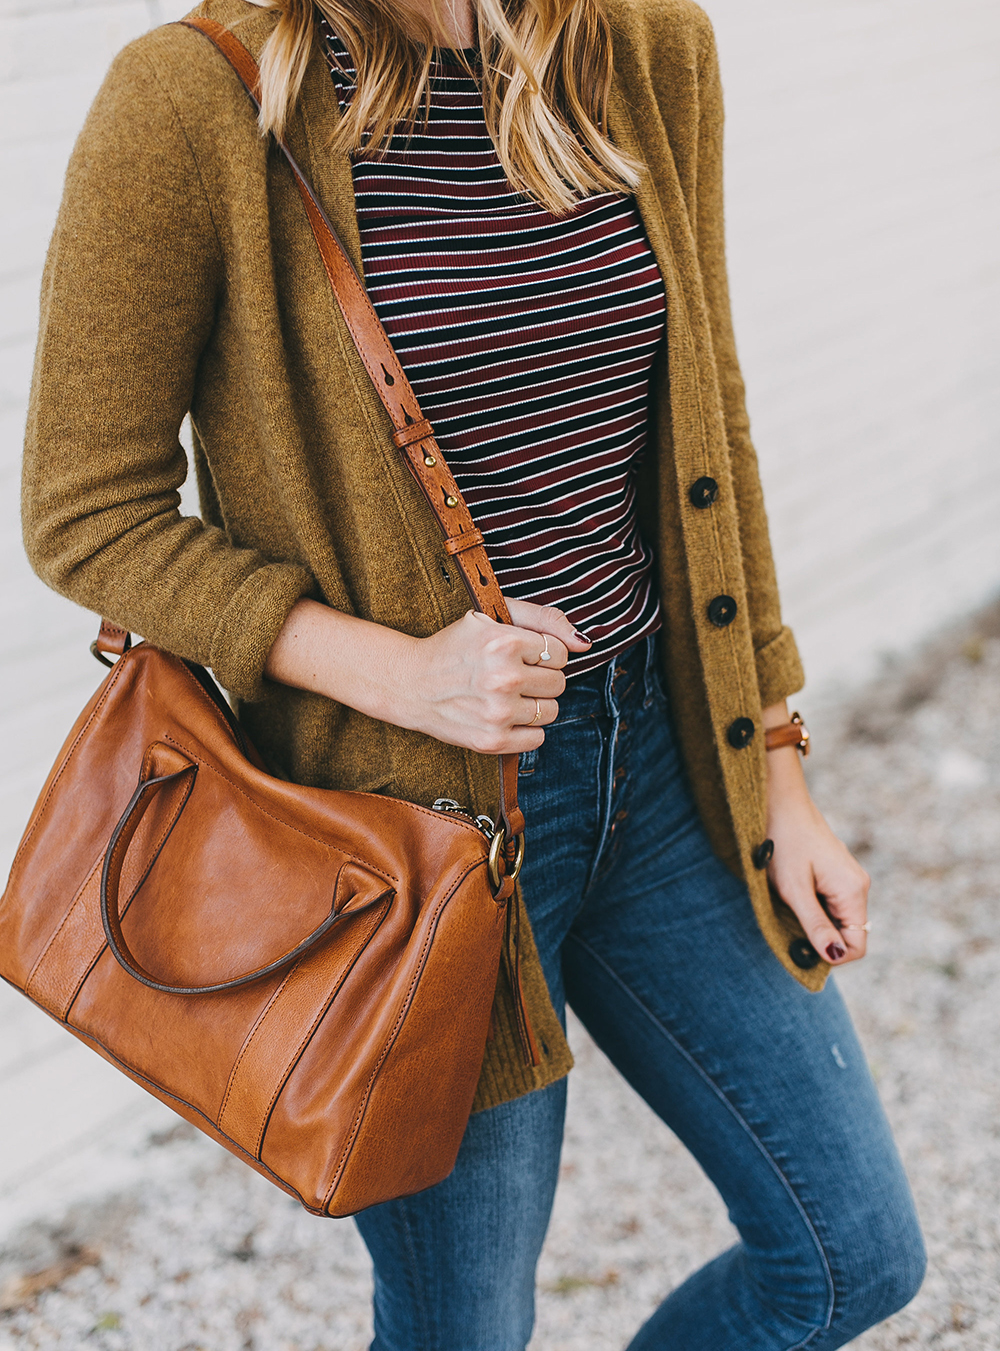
x: 545, y: 73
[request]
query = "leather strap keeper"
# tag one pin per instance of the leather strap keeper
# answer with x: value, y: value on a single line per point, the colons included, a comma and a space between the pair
x: 470, y: 539
x: 407, y: 436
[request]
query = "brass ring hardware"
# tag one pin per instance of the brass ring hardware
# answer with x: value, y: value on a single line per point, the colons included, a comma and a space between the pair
x: 99, y: 655
x: 493, y: 863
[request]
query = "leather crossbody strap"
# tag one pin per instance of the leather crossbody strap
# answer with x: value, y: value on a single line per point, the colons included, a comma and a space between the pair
x: 412, y: 433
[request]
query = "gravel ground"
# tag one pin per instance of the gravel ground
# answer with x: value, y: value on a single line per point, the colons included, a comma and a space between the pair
x: 208, y: 1257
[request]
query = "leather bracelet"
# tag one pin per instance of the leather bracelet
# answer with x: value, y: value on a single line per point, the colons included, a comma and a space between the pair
x: 794, y: 733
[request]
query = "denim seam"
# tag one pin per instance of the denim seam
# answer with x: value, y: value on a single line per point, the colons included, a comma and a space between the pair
x: 416, y: 1285
x: 744, y: 1124
x: 605, y: 782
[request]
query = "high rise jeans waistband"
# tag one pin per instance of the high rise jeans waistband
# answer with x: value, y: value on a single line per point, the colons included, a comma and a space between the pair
x: 653, y: 943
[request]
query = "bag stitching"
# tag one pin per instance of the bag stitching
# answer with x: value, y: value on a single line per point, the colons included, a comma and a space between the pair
x: 406, y: 1005
x: 316, y: 839
x: 376, y: 924
x: 251, y: 1035
x: 78, y: 898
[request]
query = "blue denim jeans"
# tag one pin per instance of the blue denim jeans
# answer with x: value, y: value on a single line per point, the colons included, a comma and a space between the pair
x: 654, y: 945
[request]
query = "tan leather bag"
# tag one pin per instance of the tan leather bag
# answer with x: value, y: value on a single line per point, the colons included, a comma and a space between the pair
x: 305, y: 975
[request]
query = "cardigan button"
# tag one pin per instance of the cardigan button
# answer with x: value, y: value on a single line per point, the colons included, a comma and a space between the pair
x: 802, y: 953
x: 740, y: 733
x: 722, y: 611
x: 703, y: 492
x: 763, y: 854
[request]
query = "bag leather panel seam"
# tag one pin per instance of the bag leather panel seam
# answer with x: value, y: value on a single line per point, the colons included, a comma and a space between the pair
x: 58, y: 930
x: 157, y: 850
x: 375, y: 925
x: 394, y: 1033
x: 314, y: 839
x: 244, y: 1049
x: 61, y: 771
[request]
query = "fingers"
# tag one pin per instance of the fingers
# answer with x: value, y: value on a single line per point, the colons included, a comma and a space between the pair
x: 816, y: 876
x: 547, y: 619
x: 508, y: 680
x: 825, y: 920
x: 822, y: 933
x: 530, y: 647
x: 537, y: 712
x: 848, y: 910
x: 855, y: 940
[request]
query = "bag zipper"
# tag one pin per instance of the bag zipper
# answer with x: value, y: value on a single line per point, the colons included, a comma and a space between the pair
x: 482, y: 822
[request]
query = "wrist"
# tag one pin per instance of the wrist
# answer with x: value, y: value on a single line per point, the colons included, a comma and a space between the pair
x: 775, y: 715
x: 389, y: 676
x: 370, y: 668
x: 786, y: 782
x: 349, y: 660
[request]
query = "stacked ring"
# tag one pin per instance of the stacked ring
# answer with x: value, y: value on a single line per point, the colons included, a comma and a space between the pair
x: 538, y: 714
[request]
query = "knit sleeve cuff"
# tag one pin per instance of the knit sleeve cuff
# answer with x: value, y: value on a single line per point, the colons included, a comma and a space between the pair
x: 251, y: 622
x: 779, y: 669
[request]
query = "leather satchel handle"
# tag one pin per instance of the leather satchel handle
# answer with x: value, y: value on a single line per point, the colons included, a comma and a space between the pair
x: 413, y: 434
x: 114, y: 859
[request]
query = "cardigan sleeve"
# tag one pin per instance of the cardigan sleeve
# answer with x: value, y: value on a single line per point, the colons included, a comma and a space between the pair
x: 129, y: 295
x: 779, y: 669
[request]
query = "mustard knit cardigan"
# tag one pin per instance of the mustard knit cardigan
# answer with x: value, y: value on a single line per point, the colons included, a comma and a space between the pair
x: 183, y: 277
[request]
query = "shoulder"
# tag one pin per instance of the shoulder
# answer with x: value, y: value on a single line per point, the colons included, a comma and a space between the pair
x: 677, y: 32
x: 170, y: 92
x: 174, y: 62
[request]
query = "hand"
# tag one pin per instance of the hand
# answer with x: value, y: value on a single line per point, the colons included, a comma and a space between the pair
x: 484, y: 685
x: 812, y: 871
x: 472, y: 684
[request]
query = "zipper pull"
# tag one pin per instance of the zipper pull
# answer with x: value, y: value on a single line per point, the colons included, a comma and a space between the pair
x: 448, y: 804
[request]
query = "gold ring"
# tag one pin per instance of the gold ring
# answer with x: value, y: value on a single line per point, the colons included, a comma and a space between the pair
x: 538, y: 714
x: 861, y: 928
x: 546, y: 655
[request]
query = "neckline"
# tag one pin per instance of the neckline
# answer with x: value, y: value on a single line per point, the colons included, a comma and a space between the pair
x: 471, y: 54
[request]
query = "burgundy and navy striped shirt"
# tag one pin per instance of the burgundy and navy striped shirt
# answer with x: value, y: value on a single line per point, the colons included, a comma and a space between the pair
x: 528, y: 339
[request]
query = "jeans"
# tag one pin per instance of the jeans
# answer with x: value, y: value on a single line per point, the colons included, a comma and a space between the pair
x: 654, y: 945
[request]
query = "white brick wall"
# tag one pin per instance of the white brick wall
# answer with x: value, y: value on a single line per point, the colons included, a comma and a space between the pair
x: 863, y: 142
x: 863, y: 219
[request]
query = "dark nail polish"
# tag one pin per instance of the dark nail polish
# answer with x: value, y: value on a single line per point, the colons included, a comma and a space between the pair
x: 834, y: 951
x: 582, y: 637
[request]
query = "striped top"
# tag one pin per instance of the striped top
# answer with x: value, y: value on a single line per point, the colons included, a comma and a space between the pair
x: 528, y: 339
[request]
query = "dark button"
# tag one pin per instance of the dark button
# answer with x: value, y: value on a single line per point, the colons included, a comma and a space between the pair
x: 763, y: 854
x: 703, y: 492
x: 802, y: 953
x: 740, y: 733
x: 722, y: 611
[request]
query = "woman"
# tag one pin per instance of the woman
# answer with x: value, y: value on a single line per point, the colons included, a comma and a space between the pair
x: 534, y: 193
